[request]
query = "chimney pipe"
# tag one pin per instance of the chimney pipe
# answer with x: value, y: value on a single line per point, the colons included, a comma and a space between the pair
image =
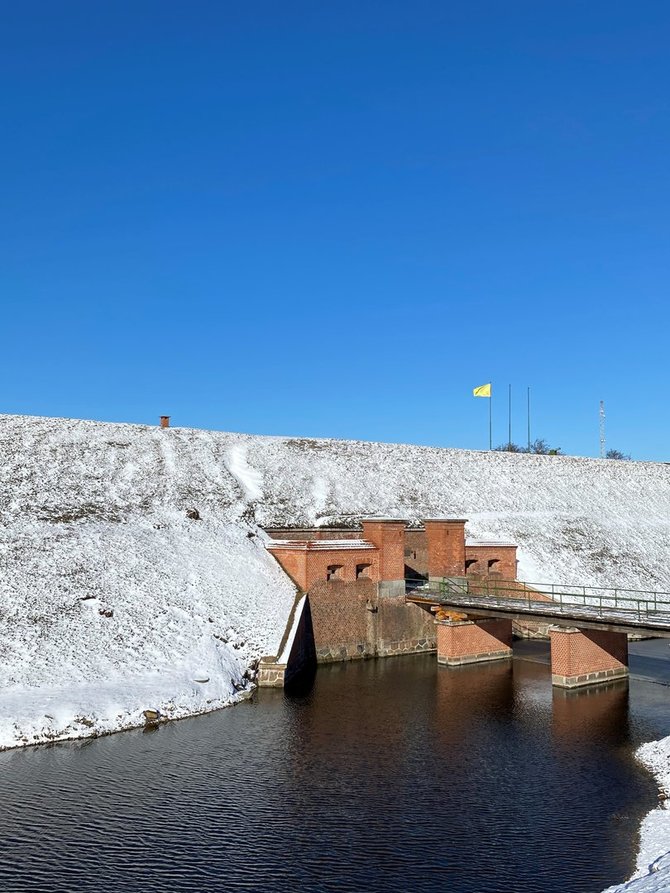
x: 165, y: 421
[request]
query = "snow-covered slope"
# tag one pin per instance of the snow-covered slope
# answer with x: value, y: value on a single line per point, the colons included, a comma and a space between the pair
x: 92, y: 523
x: 93, y: 520
x: 576, y: 520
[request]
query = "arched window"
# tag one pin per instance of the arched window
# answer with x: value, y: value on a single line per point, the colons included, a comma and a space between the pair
x: 493, y: 564
x: 471, y: 566
x: 363, y: 571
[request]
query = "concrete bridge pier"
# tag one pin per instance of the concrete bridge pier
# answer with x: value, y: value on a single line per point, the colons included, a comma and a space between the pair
x: 587, y: 656
x: 468, y: 642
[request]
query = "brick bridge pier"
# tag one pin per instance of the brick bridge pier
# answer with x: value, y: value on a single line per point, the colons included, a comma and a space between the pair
x: 578, y: 656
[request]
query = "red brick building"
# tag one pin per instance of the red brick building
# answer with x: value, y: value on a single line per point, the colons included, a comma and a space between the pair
x: 387, y: 552
x: 356, y: 580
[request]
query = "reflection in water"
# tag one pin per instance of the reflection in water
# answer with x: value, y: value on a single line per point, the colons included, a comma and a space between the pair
x: 587, y: 714
x: 387, y: 775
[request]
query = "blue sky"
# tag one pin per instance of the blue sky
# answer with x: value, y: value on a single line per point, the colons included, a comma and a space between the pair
x: 337, y: 219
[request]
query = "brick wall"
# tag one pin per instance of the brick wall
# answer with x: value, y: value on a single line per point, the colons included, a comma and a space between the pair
x: 446, y: 547
x: 350, y: 621
x: 491, y: 559
x: 311, y: 534
x: 403, y: 628
x: 349, y: 559
x: 307, y: 567
x: 416, y: 553
x: 295, y: 565
x: 341, y: 619
x: 467, y: 642
x: 493, y: 585
x: 574, y: 653
x: 389, y: 538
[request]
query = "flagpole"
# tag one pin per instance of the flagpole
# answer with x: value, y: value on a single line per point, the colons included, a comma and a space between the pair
x: 491, y: 419
x: 529, y: 420
x: 509, y: 413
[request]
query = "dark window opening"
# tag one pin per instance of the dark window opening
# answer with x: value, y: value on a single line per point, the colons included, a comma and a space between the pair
x: 334, y: 571
x: 493, y: 562
x: 362, y: 571
x: 470, y: 563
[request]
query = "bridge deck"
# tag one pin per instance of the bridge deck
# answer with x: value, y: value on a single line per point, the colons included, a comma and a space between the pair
x: 639, y: 616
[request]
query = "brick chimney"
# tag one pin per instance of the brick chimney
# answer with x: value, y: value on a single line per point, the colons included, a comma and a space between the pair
x: 165, y: 421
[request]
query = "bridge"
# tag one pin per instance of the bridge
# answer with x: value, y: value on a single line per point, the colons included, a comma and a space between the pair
x: 589, y: 625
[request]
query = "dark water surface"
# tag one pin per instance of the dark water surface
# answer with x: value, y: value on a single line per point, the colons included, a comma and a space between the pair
x: 389, y: 775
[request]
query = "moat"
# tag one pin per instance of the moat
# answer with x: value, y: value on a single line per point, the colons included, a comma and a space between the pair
x: 386, y: 775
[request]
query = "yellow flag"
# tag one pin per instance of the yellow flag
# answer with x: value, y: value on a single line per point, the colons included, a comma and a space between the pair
x: 483, y: 390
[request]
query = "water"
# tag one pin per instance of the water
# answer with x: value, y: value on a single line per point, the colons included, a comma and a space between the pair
x: 389, y: 775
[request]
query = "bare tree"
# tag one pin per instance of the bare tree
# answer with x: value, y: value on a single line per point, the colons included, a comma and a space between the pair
x: 617, y: 454
x: 539, y: 447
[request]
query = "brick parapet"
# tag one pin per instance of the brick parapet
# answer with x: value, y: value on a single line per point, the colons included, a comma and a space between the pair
x: 438, y: 550
x: 310, y: 534
x: 491, y: 559
x: 308, y: 567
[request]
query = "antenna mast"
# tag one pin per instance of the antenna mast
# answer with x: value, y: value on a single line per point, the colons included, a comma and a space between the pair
x: 602, y: 429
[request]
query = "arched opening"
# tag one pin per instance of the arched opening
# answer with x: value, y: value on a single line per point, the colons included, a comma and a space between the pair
x: 471, y: 566
x: 363, y: 571
x: 494, y: 564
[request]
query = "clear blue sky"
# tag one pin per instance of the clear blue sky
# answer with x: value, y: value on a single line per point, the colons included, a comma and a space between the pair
x: 337, y: 219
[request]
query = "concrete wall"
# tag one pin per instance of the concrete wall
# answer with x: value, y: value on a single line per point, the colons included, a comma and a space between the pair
x: 296, y: 652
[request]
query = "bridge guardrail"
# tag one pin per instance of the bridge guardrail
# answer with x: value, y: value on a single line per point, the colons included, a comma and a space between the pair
x: 606, y: 603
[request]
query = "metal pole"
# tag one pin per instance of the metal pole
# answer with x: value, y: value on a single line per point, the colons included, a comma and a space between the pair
x: 529, y: 420
x: 491, y: 419
x: 509, y: 413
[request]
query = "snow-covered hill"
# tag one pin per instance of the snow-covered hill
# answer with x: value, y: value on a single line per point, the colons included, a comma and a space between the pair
x: 93, y: 521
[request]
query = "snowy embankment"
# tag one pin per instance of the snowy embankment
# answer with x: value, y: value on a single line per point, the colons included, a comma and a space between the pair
x: 653, y: 861
x: 113, y: 601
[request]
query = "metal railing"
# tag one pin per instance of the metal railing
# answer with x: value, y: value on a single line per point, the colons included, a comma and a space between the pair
x: 599, y: 603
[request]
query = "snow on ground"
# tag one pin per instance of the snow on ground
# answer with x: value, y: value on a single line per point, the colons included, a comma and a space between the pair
x: 93, y: 520
x: 652, y: 874
x: 112, y: 601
